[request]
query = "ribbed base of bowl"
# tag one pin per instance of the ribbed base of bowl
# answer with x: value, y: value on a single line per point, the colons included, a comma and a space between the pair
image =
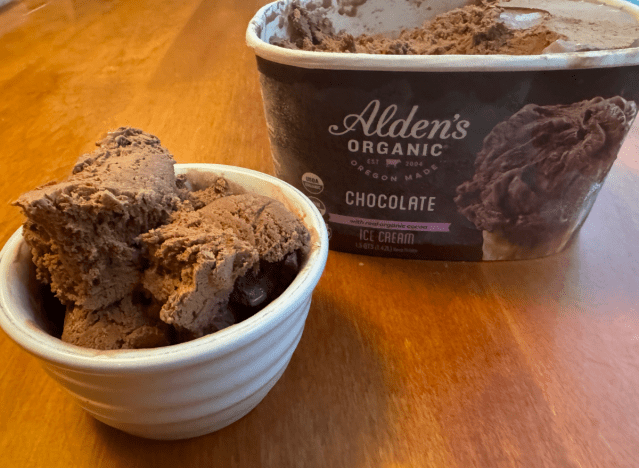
x: 198, y: 426
x: 204, y: 402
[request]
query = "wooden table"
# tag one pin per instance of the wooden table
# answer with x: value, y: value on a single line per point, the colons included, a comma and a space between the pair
x: 402, y: 363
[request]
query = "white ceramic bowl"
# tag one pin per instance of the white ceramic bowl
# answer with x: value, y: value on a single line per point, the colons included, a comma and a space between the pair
x: 183, y: 390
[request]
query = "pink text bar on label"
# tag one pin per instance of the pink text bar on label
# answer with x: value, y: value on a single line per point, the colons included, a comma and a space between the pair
x: 390, y: 225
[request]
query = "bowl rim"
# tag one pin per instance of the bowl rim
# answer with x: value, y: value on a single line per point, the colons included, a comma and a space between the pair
x: 50, y: 349
x: 437, y: 63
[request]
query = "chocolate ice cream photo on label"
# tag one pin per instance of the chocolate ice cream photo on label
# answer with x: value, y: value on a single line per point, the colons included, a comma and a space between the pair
x: 538, y: 173
x: 467, y: 161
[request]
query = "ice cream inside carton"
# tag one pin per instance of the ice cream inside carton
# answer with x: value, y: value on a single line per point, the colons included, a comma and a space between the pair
x: 414, y: 146
x: 401, y: 27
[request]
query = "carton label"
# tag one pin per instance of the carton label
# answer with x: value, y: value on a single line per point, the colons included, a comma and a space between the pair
x: 451, y: 166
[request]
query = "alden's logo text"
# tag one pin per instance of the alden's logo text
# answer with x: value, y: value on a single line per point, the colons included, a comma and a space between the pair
x: 394, y: 145
x: 385, y: 124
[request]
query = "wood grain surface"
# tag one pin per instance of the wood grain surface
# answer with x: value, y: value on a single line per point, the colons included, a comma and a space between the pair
x: 402, y: 363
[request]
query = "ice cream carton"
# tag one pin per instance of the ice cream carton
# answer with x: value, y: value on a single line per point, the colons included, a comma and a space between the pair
x: 450, y: 157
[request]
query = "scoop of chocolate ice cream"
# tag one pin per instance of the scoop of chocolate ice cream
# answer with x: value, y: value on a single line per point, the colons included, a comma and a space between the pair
x: 198, y: 259
x: 276, y: 231
x: 130, y: 323
x: 193, y: 266
x: 536, y: 169
x: 83, y: 231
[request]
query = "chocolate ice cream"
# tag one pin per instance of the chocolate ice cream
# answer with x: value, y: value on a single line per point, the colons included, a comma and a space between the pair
x: 197, y: 258
x: 194, y: 265
x: 130, y: 323
x: 141, y: 258
x: 538, y: 170
x: 276, y: 232
x: 83, y: 231
x: 512, y: 27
